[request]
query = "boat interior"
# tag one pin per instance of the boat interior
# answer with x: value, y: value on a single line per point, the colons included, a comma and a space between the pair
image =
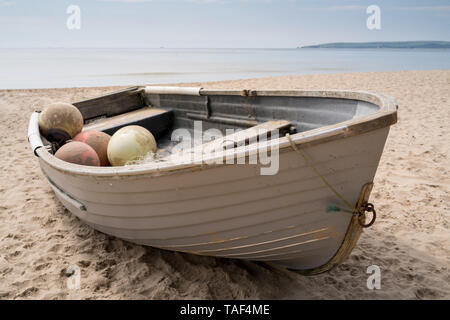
x: 161, y: 114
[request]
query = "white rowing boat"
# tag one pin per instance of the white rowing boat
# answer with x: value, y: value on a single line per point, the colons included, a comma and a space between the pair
x: 329, y: 147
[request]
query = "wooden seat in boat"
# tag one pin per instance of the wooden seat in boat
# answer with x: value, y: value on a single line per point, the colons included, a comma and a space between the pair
x: 157, y: 119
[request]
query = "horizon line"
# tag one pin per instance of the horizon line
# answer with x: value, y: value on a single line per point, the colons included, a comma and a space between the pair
x: 221, y: 48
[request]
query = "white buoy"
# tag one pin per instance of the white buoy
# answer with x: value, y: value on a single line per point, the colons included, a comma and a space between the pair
x: 130, y: 143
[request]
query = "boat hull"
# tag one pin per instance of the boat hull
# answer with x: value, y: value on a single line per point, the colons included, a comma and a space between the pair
x: 232, y: 210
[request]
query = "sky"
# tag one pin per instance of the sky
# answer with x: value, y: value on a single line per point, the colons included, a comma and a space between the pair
x: 217, y: 23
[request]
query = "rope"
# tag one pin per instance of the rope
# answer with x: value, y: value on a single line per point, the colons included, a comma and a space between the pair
x: 367, y: 207
x: 310, y: 164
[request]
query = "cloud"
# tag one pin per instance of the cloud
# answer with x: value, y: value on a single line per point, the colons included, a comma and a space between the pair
x: 336, y: 8
x: 5, y: 3
x: 188, y: 1
x: 345, y: 8
x: 21, y: 22
x: 424, y: 8
x: 172, y: 1
x: 127, y: 1
x: 142, y: 1
x: 206, y: 1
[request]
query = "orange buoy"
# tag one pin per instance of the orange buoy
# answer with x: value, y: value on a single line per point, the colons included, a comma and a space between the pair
x: 98, y: 141
x: 78, y: 153
x: 59, y: 122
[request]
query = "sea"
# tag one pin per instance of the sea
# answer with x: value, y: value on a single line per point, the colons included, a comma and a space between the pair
x: 69, y: 67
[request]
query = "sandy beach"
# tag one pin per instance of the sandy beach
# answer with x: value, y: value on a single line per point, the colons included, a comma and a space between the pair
x: 410, y: 240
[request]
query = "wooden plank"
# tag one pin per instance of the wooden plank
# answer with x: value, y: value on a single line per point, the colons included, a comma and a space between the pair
x: 111, y: 104
x: 129, y: 117
x: 243, y: 137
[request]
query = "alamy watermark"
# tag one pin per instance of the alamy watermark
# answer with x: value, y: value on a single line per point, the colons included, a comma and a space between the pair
x: 374, y: 280
x: 252, y: 146
x: 74, y: 277
x: 74, y: 19
x: 374, y: 20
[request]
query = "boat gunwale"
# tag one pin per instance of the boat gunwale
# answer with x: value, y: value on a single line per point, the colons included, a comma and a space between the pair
x: 385, y: 116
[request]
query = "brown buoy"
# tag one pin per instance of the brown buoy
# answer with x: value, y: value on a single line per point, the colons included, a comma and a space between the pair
x: 98, y: 141
x: 59, y: 122
x: 78, y: 153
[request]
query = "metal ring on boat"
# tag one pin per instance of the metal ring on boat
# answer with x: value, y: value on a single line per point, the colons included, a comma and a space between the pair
x: 368, y: 207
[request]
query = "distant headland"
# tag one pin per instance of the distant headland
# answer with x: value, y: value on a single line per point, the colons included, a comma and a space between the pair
x: 384, y: 45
